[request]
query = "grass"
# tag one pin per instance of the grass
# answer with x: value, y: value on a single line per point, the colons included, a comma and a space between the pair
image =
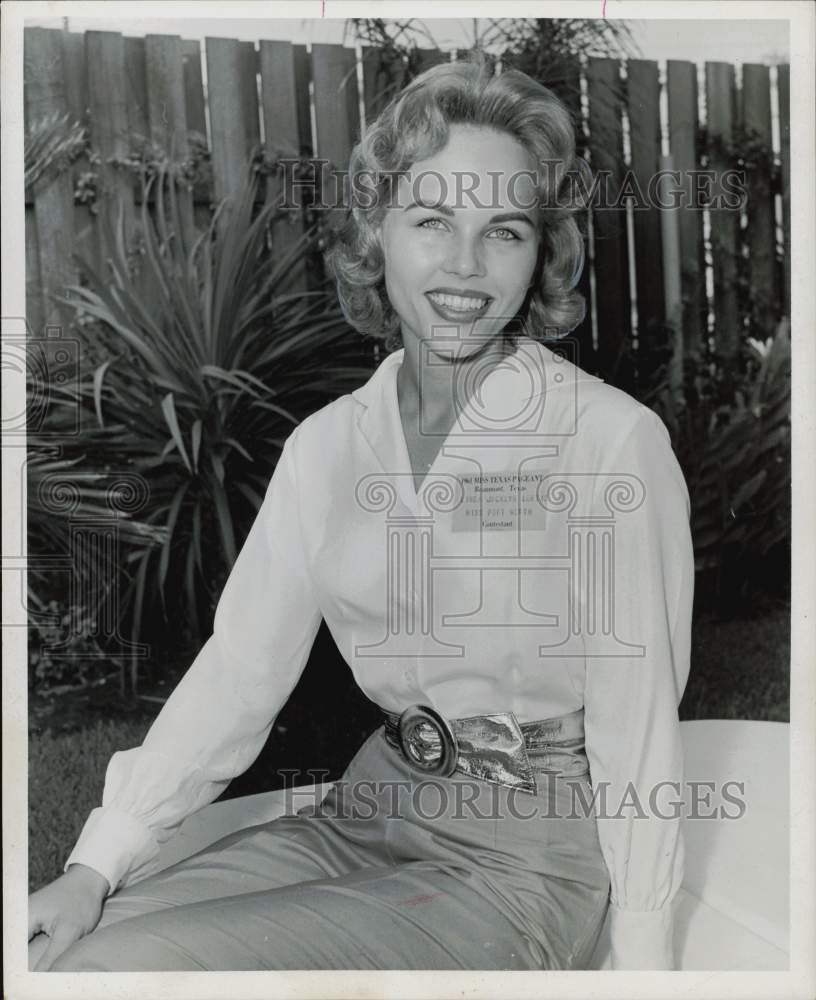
x: 66, y: 776
x: 740, y: 670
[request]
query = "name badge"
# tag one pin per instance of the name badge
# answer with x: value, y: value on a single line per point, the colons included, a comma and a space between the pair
x: 500, y: 501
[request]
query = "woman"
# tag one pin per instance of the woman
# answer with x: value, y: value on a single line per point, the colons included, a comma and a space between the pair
x: 452, y: 520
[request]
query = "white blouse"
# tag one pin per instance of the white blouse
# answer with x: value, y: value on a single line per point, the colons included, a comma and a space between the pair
x: 545, y: 564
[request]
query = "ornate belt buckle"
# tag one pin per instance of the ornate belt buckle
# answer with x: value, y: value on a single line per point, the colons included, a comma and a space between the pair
x: 441, y: 760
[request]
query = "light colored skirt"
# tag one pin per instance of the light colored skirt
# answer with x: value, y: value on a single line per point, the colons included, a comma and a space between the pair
x: 394, y: 870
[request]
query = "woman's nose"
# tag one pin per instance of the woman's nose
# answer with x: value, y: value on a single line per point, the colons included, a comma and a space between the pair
x: 465, y: 258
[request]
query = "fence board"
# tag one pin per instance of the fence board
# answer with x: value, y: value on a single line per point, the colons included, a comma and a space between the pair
x: 194, y: 104
x: 33, y: 277
x: 682, y: 94
x: 383, y: 76
x: 108, y: 102
x: 783, y: 86
x: 308, y: 196
x: 279, y: 99
x: 167, y: 113
x: 137, y: 106
x: 756, y: 103
x: 303, y: 79
x: 563, y: 76
x: 335, y: 102
x: 337, y: 120
x: 720, y: 97
x: 86, y: 236
x: 282, y: 139
x: 565, y: 81
x: 643, y: 92
x: 195, y: 111
x: 138, y: 132
x: 76, y: 77
x: 249, y: 89
x: 44, y: 93
x: 136, y: 83
x: 230, y: 115
x: 672, y: 275
x: 608, y: 219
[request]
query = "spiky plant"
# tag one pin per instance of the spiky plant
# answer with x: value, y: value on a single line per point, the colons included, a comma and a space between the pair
x: 52, y: 143
x: 203, y: 360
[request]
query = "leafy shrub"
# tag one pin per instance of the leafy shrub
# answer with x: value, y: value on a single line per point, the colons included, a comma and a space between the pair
x: 62, y: 645
x: 200, y: 360
x: 731, y: 430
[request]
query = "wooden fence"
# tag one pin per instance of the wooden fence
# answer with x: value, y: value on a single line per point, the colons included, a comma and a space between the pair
x: 727, y: 271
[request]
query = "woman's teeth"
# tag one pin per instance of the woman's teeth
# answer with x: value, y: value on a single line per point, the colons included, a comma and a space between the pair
x: 457, y: 302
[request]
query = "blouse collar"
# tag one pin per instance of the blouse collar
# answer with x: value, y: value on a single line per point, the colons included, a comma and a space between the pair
x: 507, y: 383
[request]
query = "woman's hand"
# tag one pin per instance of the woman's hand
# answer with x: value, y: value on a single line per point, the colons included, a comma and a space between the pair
x: 66, y: 910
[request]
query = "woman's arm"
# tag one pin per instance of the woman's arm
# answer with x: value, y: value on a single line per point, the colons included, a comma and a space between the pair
x: 217, y: 719
x: 632, y: 726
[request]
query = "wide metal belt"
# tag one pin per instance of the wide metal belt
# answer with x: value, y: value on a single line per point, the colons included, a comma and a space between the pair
x: 493, y: 748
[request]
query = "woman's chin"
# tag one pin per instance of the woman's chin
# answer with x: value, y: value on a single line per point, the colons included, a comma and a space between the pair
x: 463, y: 348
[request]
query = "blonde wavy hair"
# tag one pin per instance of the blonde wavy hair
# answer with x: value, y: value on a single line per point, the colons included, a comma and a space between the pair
x: 415, y: 125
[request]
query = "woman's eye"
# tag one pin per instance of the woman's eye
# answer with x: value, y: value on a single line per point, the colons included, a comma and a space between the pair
x: 508, y: 236
x: 425, y: 222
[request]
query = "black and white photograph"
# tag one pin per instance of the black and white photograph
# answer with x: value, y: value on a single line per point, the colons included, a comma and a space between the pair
x: 408, y: 483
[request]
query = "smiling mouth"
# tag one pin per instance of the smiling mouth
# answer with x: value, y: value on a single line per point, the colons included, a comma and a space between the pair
x: 458, y: 306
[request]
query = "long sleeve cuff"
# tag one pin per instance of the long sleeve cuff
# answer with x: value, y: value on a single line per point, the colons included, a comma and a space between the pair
x: 642, y: 939
x: 113, y: 843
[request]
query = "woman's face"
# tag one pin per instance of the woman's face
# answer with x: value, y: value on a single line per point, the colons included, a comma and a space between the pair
x: 461, y: 241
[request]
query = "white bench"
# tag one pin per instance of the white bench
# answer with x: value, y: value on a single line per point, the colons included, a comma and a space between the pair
x: 732, y: 911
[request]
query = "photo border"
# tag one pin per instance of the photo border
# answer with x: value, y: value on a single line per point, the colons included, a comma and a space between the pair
x: 800, y: 981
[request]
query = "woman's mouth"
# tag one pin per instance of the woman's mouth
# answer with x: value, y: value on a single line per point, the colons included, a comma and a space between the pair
x: 458, y: 307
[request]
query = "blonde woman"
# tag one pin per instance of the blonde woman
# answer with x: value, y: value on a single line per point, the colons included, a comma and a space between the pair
x: 500, y: 545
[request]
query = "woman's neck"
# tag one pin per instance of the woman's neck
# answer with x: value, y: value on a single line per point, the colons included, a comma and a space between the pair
x: 433, y: 394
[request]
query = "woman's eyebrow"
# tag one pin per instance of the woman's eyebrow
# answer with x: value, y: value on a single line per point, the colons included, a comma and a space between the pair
x: 447, y: 210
